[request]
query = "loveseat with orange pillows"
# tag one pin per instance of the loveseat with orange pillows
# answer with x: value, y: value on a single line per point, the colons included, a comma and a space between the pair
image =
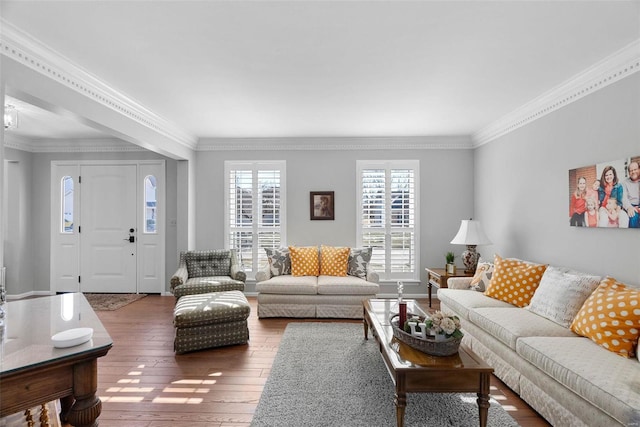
x: 314, y: 282
x: 565, y: 341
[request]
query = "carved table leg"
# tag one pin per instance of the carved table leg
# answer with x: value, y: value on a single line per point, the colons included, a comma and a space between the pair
x: 65, y: 406
x: 87, y: 405
x: 400, y: 400
x: 483, y: 399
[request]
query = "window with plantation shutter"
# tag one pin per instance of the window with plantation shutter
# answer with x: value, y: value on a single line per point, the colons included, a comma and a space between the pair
x: 388, y: 211
x: 255, y: 210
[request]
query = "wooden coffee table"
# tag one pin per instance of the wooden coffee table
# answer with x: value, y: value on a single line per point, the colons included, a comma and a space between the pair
x: 413, y: 371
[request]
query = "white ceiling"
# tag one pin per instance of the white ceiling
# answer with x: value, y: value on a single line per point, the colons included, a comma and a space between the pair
x: 243, y: 69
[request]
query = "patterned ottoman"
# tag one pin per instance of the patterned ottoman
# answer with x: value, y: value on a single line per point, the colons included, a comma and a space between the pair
x: 210, y: 320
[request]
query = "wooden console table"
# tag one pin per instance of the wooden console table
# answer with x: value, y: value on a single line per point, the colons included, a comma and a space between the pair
x: 437, y: 277
x: 34, y: 372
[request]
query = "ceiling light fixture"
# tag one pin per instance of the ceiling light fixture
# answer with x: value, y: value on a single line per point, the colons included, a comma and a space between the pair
x: 10, y: 117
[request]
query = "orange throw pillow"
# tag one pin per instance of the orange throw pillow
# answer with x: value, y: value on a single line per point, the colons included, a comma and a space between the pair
x: 334, y: 261
x: 304, y: 261
x: 514, y: 281
x: 610, y: 317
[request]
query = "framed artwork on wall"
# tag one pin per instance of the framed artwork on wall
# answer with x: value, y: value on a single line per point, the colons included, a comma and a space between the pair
x: 321, y: 205
x: 606, y: 194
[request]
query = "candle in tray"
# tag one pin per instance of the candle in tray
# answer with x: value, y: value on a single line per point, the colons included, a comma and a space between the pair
x: 403, y: 314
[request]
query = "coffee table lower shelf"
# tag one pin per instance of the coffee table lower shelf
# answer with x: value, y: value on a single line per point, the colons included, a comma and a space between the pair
x: 415, y: 372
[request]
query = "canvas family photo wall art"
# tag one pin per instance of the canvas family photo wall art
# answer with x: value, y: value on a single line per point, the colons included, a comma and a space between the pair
x: 606, y: 194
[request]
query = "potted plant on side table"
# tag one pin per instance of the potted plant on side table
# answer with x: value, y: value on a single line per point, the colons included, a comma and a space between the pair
x: 450, y: 267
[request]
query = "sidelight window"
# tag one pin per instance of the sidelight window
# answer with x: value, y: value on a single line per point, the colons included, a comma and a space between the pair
x: 150, y: 204
x: 66, y: 225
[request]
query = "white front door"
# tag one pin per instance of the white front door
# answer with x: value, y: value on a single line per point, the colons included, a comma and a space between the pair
x: 108, y: 233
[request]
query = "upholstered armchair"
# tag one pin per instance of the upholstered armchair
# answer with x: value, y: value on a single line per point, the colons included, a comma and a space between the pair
x: 201, y: 272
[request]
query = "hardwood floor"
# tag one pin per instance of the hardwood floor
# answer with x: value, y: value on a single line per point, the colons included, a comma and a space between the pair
x: 143, y: 383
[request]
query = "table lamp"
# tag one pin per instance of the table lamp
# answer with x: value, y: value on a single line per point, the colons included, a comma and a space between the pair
x: 470, y: 234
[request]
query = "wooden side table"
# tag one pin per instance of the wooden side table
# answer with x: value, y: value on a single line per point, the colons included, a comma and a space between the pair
x: 437, y: 277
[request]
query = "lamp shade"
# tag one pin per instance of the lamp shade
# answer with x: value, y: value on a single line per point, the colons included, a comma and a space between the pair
x: 470, y: 233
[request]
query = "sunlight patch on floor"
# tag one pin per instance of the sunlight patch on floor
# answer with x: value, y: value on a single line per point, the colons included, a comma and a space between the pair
x: 194, y: 382
x: 122, y: 399
x: 128, y: 381
x: 129, y: 389
x: 468, y: 399
x: 178, y: 400
x: 185, y: 390
x: 115, y: 394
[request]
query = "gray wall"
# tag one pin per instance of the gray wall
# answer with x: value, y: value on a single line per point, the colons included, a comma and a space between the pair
x: 516, y: 185
x: 19, y: 232
x: 446, y: 197
x: 521, y: 184
x: 35, y: 210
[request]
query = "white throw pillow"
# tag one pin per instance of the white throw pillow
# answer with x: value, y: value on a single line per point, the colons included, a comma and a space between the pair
x: 561, y: 294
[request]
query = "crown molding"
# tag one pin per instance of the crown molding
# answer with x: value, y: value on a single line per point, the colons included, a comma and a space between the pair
x: 101, y: 145
x: 26, y: 50
x: 336, y: 143
x: 615, y: 67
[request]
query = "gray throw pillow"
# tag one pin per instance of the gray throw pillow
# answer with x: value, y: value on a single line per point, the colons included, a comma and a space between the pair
x: 279, y: 261
x: 359, y: 262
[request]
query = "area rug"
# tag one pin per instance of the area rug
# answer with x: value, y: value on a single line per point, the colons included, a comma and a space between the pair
x: 110, y: 302
x: 326, y: 374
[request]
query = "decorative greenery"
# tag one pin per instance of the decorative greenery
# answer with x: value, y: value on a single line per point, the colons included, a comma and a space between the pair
x: 450, y: 257
x: 439, y: 323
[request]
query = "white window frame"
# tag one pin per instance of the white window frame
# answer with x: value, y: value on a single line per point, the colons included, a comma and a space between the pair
x: 255, y: 228
x: 388, y: 166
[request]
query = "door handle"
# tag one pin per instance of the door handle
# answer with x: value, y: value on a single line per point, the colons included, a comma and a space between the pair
x: 131, y: 238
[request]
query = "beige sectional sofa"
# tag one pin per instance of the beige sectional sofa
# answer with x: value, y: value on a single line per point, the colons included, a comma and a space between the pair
x: 281, y: 294
x: 569, y: 379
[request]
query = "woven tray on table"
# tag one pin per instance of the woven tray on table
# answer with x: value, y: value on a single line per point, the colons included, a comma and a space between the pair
x: 429, y: 345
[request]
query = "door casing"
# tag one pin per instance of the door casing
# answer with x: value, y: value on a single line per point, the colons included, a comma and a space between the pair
x: 66, y: 250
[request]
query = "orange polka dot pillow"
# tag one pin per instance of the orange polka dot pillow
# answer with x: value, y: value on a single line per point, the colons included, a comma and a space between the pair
x: 514, y: 281
x: 304, y: 261
x: 610, y: 317
x: 334, y: 261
